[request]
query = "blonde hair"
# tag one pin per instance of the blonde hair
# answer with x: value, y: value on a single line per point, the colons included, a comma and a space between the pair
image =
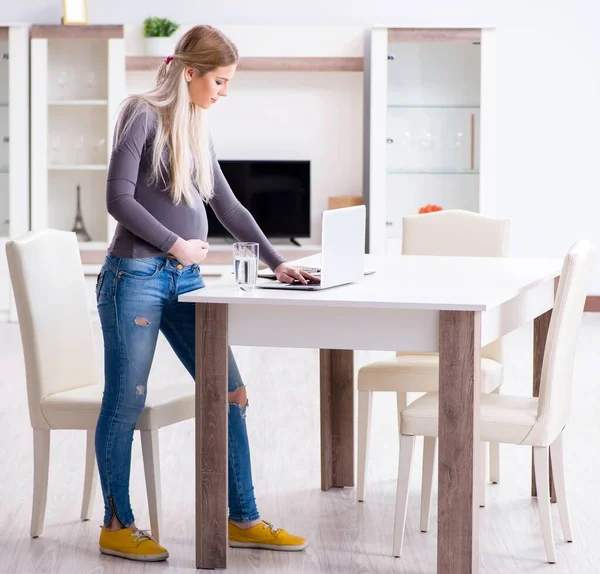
x: 181, y: 127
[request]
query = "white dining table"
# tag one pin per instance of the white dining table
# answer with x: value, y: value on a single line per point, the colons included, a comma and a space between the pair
x: 450, y: 305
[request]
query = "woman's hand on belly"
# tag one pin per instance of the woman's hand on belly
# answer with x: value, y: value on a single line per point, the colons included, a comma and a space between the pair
x: 190, y: 251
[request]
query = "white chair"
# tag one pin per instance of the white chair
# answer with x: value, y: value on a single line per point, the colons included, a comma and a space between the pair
x: 63, y: 387
x: 442, y: 233
x: 536, y: 422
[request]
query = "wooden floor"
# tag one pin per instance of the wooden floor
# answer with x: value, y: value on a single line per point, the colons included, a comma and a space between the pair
x: 345, y: 537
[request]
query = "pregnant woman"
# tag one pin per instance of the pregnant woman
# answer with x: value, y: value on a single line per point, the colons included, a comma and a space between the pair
x: 162, y: 172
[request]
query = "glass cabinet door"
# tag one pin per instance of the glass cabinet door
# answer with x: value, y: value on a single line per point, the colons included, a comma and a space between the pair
x: 77, y: 88
x: 432, y: 130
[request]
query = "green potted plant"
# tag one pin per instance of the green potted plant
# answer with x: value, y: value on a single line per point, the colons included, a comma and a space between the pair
x: 158, y: 33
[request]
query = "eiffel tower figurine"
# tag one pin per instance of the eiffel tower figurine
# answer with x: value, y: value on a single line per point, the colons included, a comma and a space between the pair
x: 79, y: 225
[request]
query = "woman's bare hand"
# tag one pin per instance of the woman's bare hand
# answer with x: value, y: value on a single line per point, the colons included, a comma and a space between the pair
x: 190, y: 251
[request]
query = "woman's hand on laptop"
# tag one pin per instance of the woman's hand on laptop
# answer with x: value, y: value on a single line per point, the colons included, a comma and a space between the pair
x: 288, y: 274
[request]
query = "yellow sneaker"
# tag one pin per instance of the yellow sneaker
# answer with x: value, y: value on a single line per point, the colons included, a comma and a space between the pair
x: 266, y: 537
x: 134, y: 545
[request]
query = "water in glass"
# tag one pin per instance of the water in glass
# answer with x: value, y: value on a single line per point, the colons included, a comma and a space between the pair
x: 245, y: 264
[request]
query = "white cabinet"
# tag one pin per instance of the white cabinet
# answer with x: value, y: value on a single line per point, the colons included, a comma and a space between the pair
x: 14, y: 147
x: 429, y: 125
x: 77, y: 85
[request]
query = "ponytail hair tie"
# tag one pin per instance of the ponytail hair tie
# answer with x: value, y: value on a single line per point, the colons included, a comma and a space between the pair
x: 168, y: 59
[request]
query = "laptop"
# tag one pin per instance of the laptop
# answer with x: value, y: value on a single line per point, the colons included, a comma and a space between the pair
x: 342, y: 251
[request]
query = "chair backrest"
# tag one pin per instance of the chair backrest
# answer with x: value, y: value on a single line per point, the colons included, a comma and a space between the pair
x: 554, y: 405
x: 455, y: 232
x: 54, y: 318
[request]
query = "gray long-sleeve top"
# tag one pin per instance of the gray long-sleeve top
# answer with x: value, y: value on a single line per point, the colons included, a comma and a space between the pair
x: 148, y: 223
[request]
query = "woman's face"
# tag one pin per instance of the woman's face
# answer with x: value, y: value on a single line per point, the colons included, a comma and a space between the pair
x: 205, y: 90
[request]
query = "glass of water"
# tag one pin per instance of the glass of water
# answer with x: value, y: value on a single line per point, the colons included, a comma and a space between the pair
x: 245, y: 262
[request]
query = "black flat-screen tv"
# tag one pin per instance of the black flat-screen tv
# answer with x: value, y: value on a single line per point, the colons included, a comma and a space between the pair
x: 276, y: 193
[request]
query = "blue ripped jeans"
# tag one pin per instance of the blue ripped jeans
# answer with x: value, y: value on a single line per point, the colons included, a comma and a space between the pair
x: 136, y: 299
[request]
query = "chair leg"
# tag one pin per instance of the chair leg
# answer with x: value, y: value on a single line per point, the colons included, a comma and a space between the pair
x: 558, y: 469
x: 494, y: 462
x: 401, y: 400
x: 481, y: 473
x: 41, y: 464
x: 429, y: 448
x: 90, y: 481
x: 365, y: 404
x: 495, y: 455
x: 150, y: 454
x: 540, y: 461
x: 407, y: 447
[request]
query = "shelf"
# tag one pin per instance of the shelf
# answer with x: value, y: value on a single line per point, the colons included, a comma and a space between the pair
x: 151, y: 63
x: 432, y: 106
x: 78, y: 103
x: 91, y: 268
x: 3, y: 171
x: 93, y: 246
x: 437, y: 35
x: 93, y: 253
x: 82, y: 167
x: 84, y: 32
x: 3, y: 105
x: 432, y: 172
x: 215, y: 246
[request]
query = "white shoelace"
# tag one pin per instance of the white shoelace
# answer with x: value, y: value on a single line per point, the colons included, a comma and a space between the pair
x: 274, y: 531
x: 140, y: 535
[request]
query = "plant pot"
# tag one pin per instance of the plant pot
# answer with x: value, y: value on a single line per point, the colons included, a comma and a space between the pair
x: 160, y: 46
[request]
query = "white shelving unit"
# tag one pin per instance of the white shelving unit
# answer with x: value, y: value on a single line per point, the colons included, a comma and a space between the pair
x: 14, y: 148
x: 429, y: 125
x: 77, y: 85
x: 78, y: 103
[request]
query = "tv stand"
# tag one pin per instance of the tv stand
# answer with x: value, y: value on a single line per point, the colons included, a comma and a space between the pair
x: 295, y: 242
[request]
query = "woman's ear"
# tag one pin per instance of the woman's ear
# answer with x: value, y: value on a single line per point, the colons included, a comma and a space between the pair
x: 189, y: 74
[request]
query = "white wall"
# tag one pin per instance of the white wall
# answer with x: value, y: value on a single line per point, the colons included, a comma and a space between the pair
x: 548, y: 91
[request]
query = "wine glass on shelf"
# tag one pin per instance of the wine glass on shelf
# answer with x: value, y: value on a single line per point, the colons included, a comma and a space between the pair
x: 4, y: 154
x: 406, y: 140
x: 61, y: 81
x: 91, y: 83
x: 99, y: 150
x: 427, y: 141
x: 80, y: 149
x: 458, y: 140
x: 55, y: 150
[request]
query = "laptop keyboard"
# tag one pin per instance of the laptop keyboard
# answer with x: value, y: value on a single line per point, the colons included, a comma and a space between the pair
x: 308, y: 269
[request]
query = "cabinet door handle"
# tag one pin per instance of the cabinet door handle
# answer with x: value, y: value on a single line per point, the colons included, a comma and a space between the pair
x: 473, y: 141
x: 389, y: 141
x: 5, y: 56
x: 5, y: 139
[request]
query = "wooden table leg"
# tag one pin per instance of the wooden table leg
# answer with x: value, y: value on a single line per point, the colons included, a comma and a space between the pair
x: 459, y: 407
x: 540, y: 334
x: 211, y: 435
x: 337, y: 418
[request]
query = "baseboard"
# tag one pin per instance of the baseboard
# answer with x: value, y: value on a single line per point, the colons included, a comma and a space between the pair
x: 592, y: 304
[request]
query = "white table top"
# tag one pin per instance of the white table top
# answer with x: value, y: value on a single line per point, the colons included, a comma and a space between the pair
x: 405, y: 282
